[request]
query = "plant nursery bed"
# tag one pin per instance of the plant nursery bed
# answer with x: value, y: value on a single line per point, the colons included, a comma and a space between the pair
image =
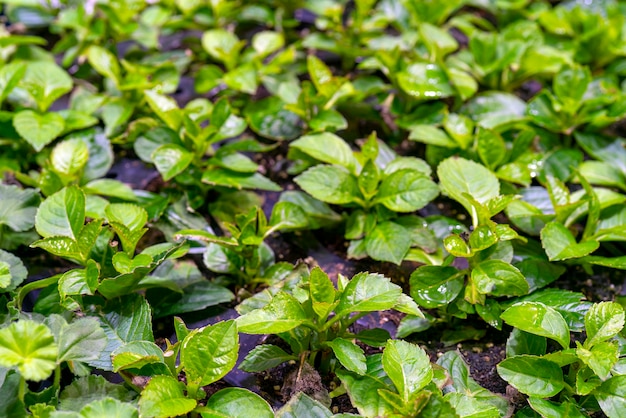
x: 339, y: 208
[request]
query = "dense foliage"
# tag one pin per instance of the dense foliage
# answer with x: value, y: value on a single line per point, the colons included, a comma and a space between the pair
x: 159, y: 157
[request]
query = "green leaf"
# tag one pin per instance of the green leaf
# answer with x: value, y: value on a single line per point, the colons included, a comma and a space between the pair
x: 269, y: 119
x: 62, y: 214
x: 349, y: 354
x: 425, y: 82
x: 132, y: 216
x: 498, y: 278
x: 327, y: 148
x: 38, y: 129
x: 69, y: 157
x: 287, y: 216
x: 495, y: 109
x: 533, y: 376
x: 363, y: 390
x: 207, y: 355
x: 110, y: 188
x: 388, y: 241
x: 406, y: 190
x: 408, y: 367
x: 30, y: 347
x: 611, y: 395
x: 600, y: 358
x: 266, y: 42
x: 45, y: 82
x: 329, y: 184
x: 539, y: 319
x: 221, y: 45
x: 560, y: 244
x: 603, y: 321
x: 436, y: 286
x: 171, y: 160
x: 228, y: 178
x: 491, y: 148
x: 10, y: 403
x: 135, y: 355
x: 82, y: 340
x: 165, y: 108
x: 238, y: 403
x: 10, y: 76
x: 123, y: 320
x: 163, y: 396
x: 110, y: 408
x: 13, y: 271
x: 18, y: 207
x: 303, y: 406
x: 105, y: 63
x: 281, y: 314
x: 242, y: 78
x: 458, y: 176
x: 322, y: 292
x: 83, y: 391
x: 521, y: 342
x: 263, y: 357
x: 551, y: 409
x: 429, y: 134
x: 368, y: 292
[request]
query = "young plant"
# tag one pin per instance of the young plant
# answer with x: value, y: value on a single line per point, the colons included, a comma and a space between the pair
x: 315, y: 319
x: 244, y: 255
x: 571, y: 379
x: 378, y: 186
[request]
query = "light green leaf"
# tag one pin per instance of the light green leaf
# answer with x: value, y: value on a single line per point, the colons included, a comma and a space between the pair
x: 329, y: 184
x: 221, y: 45
x: 408, y: 367
x: 603, y: 321
x: 533, y: 376
x: 425, y: 82
x: 266, y: 42
x: 105, y: 63
x: 560, y: 244
x: 13, y: 271
x: 45, y: 82
x: 83, y: 391
x: 368, y: 292
x: 458, y: 176
x: 238, y: 403
x: 287, y: 216
x: 163, y: 396
x: 281, y: 314
x: 110, y: 408
x: 69, y: 157
x: 539, y: 319
x: 38, y: 129
x: 62, y: 214
x: 611, y: 396
x: 135, y: 355
x: 322, y: 292
x: 406, y: 190
x: 363, y: 390
x: 165, y: 108
x: 228, y: 178
x: 327, y: 148
x: 349, y: 354
x: 171, y: 160
x: 600, y: 358
x: 551, y: 409
x: 30, y: 347
x: 388, y: 241
x: 207, y: 355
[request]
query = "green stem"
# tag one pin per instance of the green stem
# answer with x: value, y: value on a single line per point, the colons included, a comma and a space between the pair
x: 39, y: 284
x: 21, y: 391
